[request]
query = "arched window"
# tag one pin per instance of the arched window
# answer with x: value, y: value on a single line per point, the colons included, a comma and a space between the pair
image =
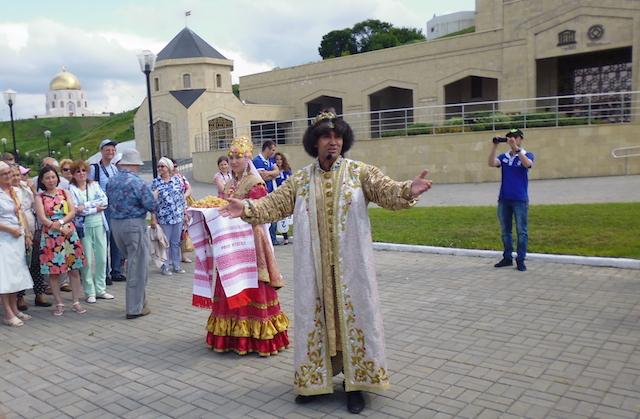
x: 55, y: 96
x: 53, y: 103
x: 79, y: 104
x: 186, y: 81
x: 218, y: 80
x: 62, y: 104
x: 69, y: 95
x: 85, y: 103
x: 156, y: 84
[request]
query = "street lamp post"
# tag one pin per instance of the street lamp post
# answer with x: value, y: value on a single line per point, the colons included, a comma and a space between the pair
x: 82, y: 152
x: 10, y: 98
x: 47, y: 135
x: 4, y: 145
x: 69, y: 150
x: 147, y: 60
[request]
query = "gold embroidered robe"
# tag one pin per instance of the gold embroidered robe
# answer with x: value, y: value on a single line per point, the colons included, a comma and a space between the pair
x: 335, y: 291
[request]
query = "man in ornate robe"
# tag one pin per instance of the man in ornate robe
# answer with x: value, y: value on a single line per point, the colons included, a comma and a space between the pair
x: 337, y: 316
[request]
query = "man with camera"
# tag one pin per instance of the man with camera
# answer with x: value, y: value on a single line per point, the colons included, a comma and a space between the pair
x: 513, y: 201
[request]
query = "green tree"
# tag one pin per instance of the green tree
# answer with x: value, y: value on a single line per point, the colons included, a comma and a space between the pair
x: 407, y: 35
x: 337, y: 43
x: 363, y: 31
x: 368, y: 35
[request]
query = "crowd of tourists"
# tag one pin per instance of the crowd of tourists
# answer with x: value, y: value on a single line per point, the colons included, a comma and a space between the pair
x: 56, y: 230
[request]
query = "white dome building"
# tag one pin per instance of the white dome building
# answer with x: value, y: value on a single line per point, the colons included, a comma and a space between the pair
x: 65, y: 96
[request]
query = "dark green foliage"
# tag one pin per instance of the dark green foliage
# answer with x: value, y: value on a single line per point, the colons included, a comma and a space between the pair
x: 368, y: 35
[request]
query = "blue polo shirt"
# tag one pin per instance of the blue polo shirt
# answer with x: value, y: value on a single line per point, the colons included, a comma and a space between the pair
x: 264, y: 164
x: 515, y: 177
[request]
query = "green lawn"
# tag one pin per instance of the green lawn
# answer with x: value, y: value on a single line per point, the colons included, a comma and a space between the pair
x: 611, y: 230
x: 84, y: 132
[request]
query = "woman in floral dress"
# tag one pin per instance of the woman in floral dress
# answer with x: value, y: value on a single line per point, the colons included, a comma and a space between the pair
x: 260, y: 326
x: 60, y: 247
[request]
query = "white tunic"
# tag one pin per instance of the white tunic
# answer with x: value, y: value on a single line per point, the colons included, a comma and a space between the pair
x: 14, y: 274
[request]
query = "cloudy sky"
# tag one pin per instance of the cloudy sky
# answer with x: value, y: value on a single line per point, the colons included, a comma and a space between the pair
x: 98, y: 41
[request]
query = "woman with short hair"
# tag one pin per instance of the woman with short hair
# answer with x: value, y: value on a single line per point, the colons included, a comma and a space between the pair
x: 91, y: 201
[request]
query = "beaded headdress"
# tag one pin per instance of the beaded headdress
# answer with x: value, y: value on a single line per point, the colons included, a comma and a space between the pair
x: 325, y: 116
x: 241, y: 145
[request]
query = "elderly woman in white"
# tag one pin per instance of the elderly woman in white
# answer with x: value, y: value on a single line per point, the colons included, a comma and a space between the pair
x: 14, y: 275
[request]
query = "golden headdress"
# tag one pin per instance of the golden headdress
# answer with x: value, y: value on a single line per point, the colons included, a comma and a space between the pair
x: 325, y: 116
x: 241, y: 145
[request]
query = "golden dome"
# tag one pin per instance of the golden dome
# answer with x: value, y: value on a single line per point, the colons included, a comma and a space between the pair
x: 64, y: 81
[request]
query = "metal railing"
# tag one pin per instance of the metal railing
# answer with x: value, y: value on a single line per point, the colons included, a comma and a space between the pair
x: 553, y: 111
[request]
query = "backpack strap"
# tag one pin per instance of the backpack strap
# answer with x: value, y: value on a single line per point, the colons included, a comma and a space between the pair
x: 96, y: 171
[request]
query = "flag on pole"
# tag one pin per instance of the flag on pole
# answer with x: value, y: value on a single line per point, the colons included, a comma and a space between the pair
x: 187, y: 13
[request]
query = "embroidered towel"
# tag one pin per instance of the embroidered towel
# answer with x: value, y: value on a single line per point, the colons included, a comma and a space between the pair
x: 225, y: 244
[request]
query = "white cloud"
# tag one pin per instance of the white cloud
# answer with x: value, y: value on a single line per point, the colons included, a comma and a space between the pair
x: 105, y: 62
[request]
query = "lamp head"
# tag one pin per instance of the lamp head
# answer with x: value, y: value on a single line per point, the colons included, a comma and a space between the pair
x: 147, y: 61
x: 47, y: 134
x: 9, y: 97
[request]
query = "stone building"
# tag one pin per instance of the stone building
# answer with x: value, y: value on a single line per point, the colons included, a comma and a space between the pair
x: 66, y: 97
x: 520, y: 49
x: 192, y: 95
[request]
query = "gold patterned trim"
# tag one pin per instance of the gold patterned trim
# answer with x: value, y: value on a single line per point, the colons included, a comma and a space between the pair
x: 364, y: 370
x: 312, y: 373
x: 257, y: 329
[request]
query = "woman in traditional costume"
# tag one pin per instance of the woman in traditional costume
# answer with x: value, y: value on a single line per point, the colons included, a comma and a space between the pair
x: 260, y: 326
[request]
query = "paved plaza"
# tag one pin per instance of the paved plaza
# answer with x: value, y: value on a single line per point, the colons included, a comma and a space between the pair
x: 463, y: 340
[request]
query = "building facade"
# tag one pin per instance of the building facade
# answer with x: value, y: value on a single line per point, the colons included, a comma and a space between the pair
x: 520, y: 49
x: 193, y: 102
x: 439, y: 26
x: 66, y: 97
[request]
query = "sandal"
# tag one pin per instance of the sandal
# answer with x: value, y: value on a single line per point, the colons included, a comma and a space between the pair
x: 59, y: 310
x: 13, y: 322
x: 78, y: 308
x: 23, y: 316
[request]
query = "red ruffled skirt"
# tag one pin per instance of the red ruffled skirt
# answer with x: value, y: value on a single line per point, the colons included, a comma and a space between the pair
x: 258, y: 327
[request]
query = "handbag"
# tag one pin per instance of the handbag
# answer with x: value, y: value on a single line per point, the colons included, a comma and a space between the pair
x: 186, y: 244
x: 78, y: 220
x: 283, y: 225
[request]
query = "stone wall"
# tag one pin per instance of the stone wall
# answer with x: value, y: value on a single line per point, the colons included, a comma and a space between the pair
x: 462, y: 158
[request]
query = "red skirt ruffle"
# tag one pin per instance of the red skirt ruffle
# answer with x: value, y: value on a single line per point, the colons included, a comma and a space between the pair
x: 260, y: 326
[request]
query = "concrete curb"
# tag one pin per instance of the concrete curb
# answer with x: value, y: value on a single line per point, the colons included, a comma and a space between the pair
x: 570, y: 259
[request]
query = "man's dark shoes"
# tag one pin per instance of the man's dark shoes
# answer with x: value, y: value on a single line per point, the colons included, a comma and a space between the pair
x: 521, y: 266
x: 145, y: 311
x: 41, y: 301
x: 108, y: 281
x: 355, y: 401
x: 504, y: 262
x: 300, y: 399
x: 118, y: 278
x: 22, y: 304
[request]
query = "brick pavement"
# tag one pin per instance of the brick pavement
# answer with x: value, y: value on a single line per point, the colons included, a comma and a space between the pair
x: 463, y: 340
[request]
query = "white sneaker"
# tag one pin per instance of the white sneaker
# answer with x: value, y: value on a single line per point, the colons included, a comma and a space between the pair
x: 91, y: 299
x: 166, y: 272
x: 106, y: 296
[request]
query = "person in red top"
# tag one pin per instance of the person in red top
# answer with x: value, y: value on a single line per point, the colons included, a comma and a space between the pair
x: 261, y: 326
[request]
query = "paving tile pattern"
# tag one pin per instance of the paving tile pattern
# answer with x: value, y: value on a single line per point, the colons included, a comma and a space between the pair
x: 464, y: 340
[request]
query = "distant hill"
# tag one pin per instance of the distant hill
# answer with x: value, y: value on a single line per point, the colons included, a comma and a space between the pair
x: 84, y: 132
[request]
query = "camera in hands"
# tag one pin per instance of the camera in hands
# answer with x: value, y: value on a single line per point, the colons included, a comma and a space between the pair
x: 497, y: 140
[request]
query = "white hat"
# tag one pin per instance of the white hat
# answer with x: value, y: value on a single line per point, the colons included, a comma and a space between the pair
x: 130, y: 157
x: 107, y: 142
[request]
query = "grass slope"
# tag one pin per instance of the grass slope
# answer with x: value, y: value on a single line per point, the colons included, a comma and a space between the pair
x: 84, y: 132
x: 610, y: 230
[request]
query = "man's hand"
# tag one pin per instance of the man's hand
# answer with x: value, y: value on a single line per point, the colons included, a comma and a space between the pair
x: 234, y: 209
x: 420, y: 184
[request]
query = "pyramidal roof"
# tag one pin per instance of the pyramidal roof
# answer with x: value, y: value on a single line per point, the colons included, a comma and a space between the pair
x: 186, y: 44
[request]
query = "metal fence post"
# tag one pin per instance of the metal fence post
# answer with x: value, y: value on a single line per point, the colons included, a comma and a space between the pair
x: 589, y: 111
x: 406, y: 125
x: 493, y: 115
x: 463, y: 120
